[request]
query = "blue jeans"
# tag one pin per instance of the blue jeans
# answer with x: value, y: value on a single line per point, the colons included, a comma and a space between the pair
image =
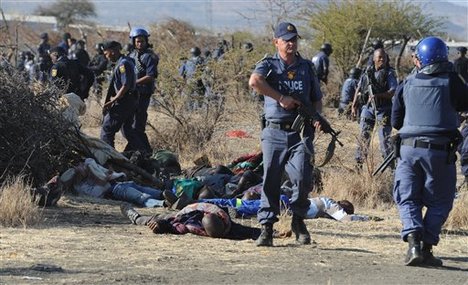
x: 367, y: 124
x: 463, y: 149
x: 131, y: 192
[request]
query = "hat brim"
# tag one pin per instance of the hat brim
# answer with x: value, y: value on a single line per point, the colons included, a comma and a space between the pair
x: 289, y: 36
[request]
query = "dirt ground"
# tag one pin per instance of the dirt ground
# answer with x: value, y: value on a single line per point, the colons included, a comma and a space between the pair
x: 88, y: 241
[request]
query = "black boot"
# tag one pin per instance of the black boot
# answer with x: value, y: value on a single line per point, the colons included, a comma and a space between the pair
x: 299, y: 228
x: 428, y: 258
x: 414, y: 255
x: 266, y: 236
x: 127, y: 211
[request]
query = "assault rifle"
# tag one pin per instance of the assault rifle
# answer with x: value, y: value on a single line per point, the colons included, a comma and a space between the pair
x: 387, y: 161
x: 396, y: 140
x: 309, y: 115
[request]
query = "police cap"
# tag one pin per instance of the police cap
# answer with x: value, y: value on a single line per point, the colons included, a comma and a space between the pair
x: 111, y: 45
x: 58, y: 50
x: 44, y: 36
x: 195, y: 51
x: 286, y: 31
x: 462, y: 49
x: 326, y: 47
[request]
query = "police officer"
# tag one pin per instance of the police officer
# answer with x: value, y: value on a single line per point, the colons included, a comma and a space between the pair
x: 64, y: 44
x: 283, y: 148
x: 146, y: 63
x: 461, y: 63
x: 80, y: 53
x: 220, y: 50
x: 425, y: 114
x: 322, y: 62
x: 98, y: 65
x: 70, y: 73
x: 461, y: 67
x: 348, y: 90
x: 122, y: 98
x: 44, y: 46
x: 40, y: 70
x: 377, y: 86
x: 191, y: 71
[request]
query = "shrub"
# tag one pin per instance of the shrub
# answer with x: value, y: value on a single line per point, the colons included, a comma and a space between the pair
x: 16, y: 205
x: 458, y: 218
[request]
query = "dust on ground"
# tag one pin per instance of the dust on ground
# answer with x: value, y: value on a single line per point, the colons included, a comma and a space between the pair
x: 88, y: 241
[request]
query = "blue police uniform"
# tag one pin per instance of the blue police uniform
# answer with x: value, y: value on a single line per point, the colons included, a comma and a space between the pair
x: 146, y: 63
x: 383, y: 80
x: 321, y: 63
x: 120, y: 115
x: 283, y: 148
x: 464, y: 152
x: 425, y: 113
x: 347, y: 93
x: 43, y: 48
x: 78, y: 78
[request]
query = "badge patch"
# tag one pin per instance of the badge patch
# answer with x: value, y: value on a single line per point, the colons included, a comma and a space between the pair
x: 122, y: 68
x: 53, y: 72
x: 291, y: 74
x: 290, y: 28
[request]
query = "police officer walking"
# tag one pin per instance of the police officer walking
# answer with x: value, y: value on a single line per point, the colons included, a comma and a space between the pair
x: 283, y: 148
x: 322, y: 62
x: 425, y: 114
x: 377, y: 87
x: 122, y: 98
x: 348, y: 91
x: 146, y: 62
x: 70, y: 73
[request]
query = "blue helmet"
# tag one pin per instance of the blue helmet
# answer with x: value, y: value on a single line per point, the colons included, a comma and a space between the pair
x: 431, y: 50
x: 137, y: 32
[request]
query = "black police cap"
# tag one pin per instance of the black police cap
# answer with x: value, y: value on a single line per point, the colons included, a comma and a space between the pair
x: 462, y: 49
x: 111, y: 45
x: 57, y: 49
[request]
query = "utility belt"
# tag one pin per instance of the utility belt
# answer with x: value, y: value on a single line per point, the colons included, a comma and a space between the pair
x: 450, y: 147
x: 284, y: 126
x: 423, y: 144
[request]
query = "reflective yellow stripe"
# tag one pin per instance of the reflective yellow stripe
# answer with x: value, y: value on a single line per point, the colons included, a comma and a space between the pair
x: 238, y: 202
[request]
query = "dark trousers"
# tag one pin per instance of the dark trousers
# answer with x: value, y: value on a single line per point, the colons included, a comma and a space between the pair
x: 140, y: 119
x: 120, y: 117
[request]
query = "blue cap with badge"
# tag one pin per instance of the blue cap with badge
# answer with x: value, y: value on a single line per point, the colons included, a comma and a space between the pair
x: 286, y: 31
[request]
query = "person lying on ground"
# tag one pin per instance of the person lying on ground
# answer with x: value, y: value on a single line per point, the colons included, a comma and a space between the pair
x: 201, y: 219
x: 320, y: 207
x: 90, y: 178
x: 216, y: 182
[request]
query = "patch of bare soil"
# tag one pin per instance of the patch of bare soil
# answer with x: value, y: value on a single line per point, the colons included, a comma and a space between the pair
x: 87, y: 241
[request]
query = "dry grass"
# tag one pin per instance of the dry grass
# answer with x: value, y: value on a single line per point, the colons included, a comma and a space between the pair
x: 458, y: 218
x: 16, y: 205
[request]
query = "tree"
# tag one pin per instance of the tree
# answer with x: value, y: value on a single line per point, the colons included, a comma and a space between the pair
x: 68, y: 11
x: 345, y: 23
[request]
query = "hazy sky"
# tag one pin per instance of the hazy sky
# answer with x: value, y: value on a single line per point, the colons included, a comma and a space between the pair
x: 220, y: 15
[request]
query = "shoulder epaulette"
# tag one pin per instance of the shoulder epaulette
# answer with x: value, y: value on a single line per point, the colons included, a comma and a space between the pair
x: 265, y: 57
